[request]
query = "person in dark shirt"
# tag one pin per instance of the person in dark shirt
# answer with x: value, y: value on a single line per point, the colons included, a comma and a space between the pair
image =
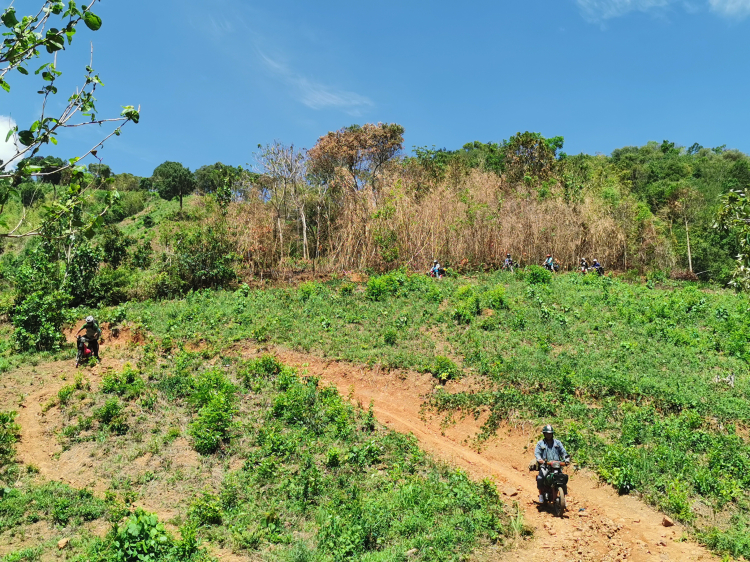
x: 93, y: 333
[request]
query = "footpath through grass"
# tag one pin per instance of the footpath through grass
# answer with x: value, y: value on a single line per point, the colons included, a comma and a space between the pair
x: 647, y: 383
x: 295, y: 473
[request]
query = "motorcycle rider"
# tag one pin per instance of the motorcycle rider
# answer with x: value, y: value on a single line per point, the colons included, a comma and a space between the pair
x: 584, y: 265
x: 508, y: 264
x: 93, y: 333
x: 548, y: 449
x: 598, y: 267
x: 435, y: 271
x: 549, y: 263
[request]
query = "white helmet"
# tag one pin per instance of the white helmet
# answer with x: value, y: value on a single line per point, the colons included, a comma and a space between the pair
x: 89, y: 320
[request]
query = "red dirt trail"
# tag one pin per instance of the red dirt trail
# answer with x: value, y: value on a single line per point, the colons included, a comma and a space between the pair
x: 599, y: 524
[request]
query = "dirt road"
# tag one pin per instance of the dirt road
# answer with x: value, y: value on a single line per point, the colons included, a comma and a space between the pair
x: 599, y: 525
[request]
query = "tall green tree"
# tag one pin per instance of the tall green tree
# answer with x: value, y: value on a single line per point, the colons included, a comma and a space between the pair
x: 172, y: 179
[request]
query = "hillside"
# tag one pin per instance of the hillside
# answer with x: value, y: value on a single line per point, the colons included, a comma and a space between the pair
x: 636, y: 377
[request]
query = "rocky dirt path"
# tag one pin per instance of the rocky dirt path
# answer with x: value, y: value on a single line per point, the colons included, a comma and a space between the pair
x: 599, y: 525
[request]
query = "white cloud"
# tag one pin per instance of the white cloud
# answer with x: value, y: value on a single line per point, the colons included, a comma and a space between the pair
x: 7, y: 149
x: 599, y: 10
x: 315, y: 95
x: 731, y: 8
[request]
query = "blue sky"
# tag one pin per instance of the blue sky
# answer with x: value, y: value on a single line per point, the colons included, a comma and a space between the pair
x: 215, y: 79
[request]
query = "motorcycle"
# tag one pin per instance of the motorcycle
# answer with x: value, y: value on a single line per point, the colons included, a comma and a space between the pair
x: 508, y: 266
x: 84, y: 351
x: 555, y: 483
x: 440, y: 273
x: 599, y: 269
x: 554, y: 267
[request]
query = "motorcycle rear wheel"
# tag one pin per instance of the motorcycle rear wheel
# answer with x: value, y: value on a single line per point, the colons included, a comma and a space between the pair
x: 560, y: 502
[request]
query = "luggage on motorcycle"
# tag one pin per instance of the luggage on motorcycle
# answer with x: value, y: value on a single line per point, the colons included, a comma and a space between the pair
x: 533, y: 466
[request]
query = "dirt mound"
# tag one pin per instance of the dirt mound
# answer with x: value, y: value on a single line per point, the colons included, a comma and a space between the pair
x: 599, y: 525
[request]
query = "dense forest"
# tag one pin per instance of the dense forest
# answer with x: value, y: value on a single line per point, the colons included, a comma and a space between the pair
x: 355, y: 200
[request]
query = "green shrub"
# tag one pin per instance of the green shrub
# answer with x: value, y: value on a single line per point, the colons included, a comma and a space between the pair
x: 114, y: 246
x: 111, y: 287
x: 265, y: 366
x: 538, y: 275
x: 444, y: 369
x: 347, y: 289
x: 309, y: 290
x: 333, y: 457
x: 206, y: 509
x: 143, y: 539
x: 495, y: 298
x: 465, y: 312
x: 390, y: 337
x: 38, y: 321
x: 112, y: 416
x: 10, y: 432
x: 127, y: 383
x: 80, y: 273
x: 463, y: 293
x: 212, y: 425
x: 142, y: 255
x: 202, y: 257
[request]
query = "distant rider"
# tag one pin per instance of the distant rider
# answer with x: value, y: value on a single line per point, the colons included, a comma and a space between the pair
x: 549, y: 263
x: 93, y: 333
x: 598, y: 267
x: 584, y: 265
x: 435, y: 271
x: 508, y: 264
x: 548, y: 449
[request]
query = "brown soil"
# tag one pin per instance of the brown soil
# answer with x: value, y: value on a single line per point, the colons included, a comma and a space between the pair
x: 599, y: 524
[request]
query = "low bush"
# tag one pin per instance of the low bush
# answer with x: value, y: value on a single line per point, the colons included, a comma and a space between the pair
x: 142, y: 538
x: 444, y: 369
x: 38, y: 321
x: 128, y: 383
x: 10, y: 433
x: 538, y: 275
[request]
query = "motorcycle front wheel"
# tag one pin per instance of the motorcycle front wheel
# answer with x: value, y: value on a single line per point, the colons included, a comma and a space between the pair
x: 560, y: 502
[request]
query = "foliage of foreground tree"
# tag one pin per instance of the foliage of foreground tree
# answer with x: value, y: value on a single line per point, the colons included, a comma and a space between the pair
x: 41, y: 36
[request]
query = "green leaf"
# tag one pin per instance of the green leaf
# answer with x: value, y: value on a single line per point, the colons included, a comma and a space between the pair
x: 9, y: 18
x: 53, y: 140
x: 26, y: 138
x: 22, y: 70
x: 10, y: 133
x: 92, y: 21
x: 54, y: 42
x: 4, y: 85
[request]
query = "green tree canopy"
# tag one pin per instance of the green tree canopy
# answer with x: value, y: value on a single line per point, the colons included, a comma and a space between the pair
x: 172, y: 179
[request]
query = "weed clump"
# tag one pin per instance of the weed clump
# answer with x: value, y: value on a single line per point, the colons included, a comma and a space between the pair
x: 537, y: 275
x: 128, y: 383
x: 444, y: 369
